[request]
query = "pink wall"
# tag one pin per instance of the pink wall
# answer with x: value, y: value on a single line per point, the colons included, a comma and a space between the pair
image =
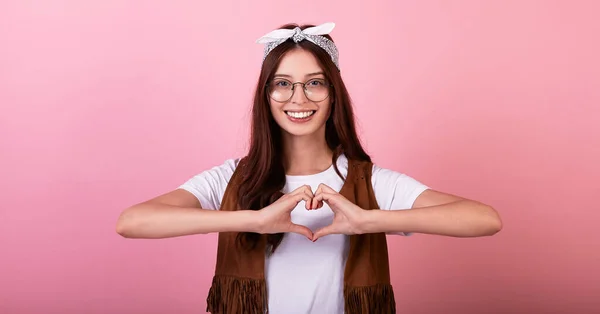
x: 108, y: 103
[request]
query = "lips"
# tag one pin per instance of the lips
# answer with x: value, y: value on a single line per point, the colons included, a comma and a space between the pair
x: 300, y: 114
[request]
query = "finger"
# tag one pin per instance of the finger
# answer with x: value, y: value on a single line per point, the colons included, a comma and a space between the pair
x: 318, y: 189
x: 326, y: 197
x: 309, y: 192
x: 314, y: 203
x: 323, y: 188
x: 302, y: 230
x: 318, y: 203
x: 297, y: 198
x: 326, y: 188
x: 303, y: 189
x: 323, y: 232
x: 310, y: 197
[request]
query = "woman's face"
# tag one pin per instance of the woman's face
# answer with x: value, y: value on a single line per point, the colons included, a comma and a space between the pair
x: 297, y: 114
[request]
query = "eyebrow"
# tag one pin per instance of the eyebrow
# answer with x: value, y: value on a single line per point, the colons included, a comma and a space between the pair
x: 307, y: 75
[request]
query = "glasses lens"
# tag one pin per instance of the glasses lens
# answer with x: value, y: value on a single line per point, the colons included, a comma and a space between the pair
x: 317, y: 90
x: 280, y: 90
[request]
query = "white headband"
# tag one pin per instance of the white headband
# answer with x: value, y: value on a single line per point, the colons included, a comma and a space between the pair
x: 312, y: 34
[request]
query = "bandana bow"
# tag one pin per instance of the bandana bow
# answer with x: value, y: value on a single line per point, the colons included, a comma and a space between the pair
x: 312, y: 34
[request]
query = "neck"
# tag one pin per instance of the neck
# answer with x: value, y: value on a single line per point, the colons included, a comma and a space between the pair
x: 306, y: 155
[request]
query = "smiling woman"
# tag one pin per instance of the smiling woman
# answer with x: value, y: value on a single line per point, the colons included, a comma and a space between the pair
x: 306, y: 177
x: 312, y: 102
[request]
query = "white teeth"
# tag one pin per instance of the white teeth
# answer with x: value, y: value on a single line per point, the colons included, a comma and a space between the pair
x: 300, y: 115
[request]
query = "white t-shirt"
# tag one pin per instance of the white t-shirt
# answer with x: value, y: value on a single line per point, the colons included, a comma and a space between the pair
x: 304, y: 276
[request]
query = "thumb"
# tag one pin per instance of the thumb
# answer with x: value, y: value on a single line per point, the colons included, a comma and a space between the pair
x: 323, y: 232
x: 303, y: 230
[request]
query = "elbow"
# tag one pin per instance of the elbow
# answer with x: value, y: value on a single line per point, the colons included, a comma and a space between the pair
x: 125, y: 224
x: 493, y: 222
x: 494, y: 227
x: 122, y: 229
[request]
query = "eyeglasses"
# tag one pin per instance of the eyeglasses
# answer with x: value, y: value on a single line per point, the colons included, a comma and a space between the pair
x: 282, y: 90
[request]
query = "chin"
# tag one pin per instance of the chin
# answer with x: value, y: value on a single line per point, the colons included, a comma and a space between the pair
x: 300, y: 132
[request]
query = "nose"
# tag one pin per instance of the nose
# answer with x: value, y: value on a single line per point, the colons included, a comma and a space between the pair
x: 298, y: 95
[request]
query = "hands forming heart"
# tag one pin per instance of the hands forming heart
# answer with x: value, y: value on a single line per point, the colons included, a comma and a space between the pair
x: 348, y: 218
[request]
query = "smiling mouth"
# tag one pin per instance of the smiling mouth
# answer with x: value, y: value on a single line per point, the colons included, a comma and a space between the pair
x: 300, y: 114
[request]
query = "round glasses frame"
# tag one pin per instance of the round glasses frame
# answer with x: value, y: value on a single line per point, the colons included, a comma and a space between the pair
x: 326, y: 84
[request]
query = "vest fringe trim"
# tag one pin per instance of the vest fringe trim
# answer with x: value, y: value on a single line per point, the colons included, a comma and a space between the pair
x: 377, y: 299
x: 233, y: 295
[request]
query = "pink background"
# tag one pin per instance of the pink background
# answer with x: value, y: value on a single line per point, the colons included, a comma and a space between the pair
x: 108, y: 103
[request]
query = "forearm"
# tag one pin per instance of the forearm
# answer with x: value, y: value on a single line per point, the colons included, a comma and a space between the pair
x: 153, y: 221
x: 463, y: 218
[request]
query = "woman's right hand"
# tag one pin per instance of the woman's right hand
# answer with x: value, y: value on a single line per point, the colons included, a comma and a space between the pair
x: 276, y: 217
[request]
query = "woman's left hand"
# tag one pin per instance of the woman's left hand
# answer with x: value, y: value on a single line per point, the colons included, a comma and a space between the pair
x: 348, y: 218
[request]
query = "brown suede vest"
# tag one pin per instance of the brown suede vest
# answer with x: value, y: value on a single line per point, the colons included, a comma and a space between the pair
x: 239, y: 284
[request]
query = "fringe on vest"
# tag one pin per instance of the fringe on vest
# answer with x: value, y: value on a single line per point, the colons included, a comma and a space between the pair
x: 236, y: 295
x: 377, y: 299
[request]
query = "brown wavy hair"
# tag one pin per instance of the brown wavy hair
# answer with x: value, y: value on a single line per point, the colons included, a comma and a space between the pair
x: 263, y: 170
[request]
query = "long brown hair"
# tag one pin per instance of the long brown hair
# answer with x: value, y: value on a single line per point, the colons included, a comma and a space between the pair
x: 263, y: 172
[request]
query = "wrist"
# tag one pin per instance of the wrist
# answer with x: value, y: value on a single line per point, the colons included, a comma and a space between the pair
x: 371, y: 221
x: 252, y: 221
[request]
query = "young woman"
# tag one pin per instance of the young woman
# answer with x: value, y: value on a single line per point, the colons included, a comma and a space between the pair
x: 302, y: 218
